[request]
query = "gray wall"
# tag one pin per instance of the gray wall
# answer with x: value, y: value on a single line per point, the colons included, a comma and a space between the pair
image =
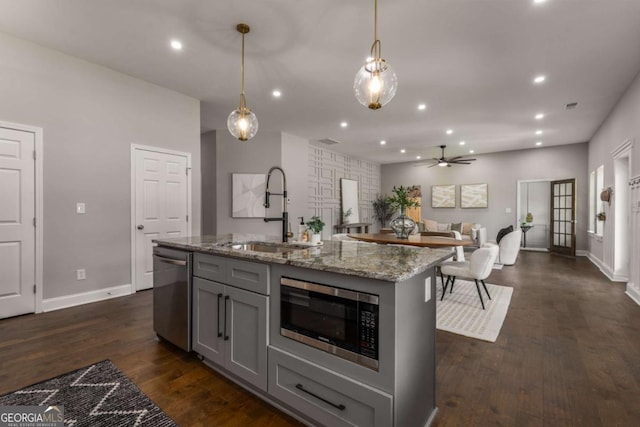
x: 209, y: 192
x: 265, y: 150
x: 91, y: 115
x: 622, y: 124
x: 501, y: 171
x: 294, y: 162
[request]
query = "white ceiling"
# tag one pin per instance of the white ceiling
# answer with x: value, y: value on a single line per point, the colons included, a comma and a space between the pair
x: 471, y: 61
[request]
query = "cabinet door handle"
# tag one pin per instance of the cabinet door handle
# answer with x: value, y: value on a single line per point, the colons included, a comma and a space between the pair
x: 226, y: 337
x: 339, y: 406
x: 219, y: 298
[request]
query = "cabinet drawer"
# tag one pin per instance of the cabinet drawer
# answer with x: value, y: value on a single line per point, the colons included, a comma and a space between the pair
x: 251, y: 276
x: 210, y: 267
x: 325, y: 396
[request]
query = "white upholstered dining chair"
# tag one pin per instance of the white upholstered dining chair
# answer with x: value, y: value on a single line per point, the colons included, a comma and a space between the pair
x: 477, y: 268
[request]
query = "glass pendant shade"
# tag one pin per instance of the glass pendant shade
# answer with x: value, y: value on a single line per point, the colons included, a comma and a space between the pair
x: 375, y: 84
x: 242, y: 124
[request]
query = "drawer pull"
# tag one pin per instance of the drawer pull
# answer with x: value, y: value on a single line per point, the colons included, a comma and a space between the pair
x: 226, y: 298
x: 340, y: 406
x: 219, y: 311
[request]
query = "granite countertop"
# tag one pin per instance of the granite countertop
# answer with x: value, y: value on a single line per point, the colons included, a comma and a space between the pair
x: 393, y: 263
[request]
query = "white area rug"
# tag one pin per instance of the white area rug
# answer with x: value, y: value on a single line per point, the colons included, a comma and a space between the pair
x: 462, y: 313
x: 497, y: 267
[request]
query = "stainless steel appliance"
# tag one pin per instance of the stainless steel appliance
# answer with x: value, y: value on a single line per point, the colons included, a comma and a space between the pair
x: 172, y: 296
x: 336, y: 320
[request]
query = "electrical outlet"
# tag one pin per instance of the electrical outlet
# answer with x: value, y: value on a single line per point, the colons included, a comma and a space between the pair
x: 507, y: 210
x: 80, y: 208
x: 81, y: 274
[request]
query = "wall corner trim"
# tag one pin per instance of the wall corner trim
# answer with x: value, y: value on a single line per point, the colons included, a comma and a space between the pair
x: 633, y: 291
x: 606, y: 270
x: 57, y: 303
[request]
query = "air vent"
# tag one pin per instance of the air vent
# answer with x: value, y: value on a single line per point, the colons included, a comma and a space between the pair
x: 571, y: 106
x: 330, y: 141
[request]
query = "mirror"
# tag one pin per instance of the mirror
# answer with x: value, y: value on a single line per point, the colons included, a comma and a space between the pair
x: 349, y: 201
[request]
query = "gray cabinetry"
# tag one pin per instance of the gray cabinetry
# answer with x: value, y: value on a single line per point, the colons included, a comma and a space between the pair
x: 230, y: 324
x: 326, y: 396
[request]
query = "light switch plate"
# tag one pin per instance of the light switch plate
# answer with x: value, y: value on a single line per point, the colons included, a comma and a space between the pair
x: 80, y: 208
x: 507, y: 210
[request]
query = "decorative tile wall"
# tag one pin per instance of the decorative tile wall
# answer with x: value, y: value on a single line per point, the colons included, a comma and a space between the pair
x: 325, y: 170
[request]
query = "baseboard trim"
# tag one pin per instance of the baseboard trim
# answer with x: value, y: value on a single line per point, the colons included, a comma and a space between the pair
x: 633, y: 292
x: 581, y: 252
x: 57, y: 303
x: 534, y: 249
x: 598, y: 263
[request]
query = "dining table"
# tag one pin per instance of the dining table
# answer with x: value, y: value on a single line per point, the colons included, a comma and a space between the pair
x: 413, y: 240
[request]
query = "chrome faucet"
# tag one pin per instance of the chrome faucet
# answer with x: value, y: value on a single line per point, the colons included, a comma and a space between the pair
x: 285, y: 215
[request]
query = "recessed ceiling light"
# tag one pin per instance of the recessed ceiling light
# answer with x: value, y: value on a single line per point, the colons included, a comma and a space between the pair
x: 344, y: 124
x: 418, y: 157
x: 403, y: 151
x: 276, y: 93
x: 538, y: 132
x: 462, y: 142
x: 383, y: 142
x: 176, y: 44
x: 422, y: 107
x: 539, y: 116
x: 539, y: 143
x: 539, y: 79
x: 539, y: 1
x: 449, y: 131
x: 471, y: 151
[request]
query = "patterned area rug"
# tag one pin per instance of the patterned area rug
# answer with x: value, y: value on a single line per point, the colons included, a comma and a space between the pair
x: 98, y: 396
x: 461, y: 312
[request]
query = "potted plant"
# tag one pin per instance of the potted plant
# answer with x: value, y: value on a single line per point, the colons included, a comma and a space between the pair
x: 402, y: 199
x: 315, y: 226
x: 345, y: 216
x: 382, y: 209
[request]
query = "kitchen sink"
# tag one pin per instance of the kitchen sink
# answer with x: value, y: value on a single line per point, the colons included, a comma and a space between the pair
x: 269, y: 247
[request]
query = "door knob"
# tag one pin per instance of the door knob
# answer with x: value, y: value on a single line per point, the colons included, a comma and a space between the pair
x: 140, y: 227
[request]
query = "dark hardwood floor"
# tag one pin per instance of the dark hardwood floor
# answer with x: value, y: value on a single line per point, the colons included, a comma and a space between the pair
x: 568, y: 355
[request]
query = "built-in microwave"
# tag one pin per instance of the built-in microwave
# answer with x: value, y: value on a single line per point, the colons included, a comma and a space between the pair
x: 339, y: 321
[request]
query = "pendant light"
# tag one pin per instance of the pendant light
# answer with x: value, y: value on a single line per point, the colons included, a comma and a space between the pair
x: 376, y: 83
x: 242, y: 123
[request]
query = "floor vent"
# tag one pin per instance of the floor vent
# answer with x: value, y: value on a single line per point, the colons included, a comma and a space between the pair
x: 330, y: 141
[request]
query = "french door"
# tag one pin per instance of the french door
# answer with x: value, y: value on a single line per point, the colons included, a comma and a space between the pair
x: 563, y: 217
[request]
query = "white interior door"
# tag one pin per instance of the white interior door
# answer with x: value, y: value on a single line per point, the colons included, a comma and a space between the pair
x: 17, y: 216
x: 161, y: 206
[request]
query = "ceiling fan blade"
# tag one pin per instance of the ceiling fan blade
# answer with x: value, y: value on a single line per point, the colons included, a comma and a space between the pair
x: 453, y: 159
x: 459, y: 162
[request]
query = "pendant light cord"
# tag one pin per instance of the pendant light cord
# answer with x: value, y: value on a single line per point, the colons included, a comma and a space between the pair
x: 375, y: 20
x: 243, y: 102
x: 376, y: 47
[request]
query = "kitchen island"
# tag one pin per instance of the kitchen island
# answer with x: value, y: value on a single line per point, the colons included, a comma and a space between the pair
x: 262, y: 317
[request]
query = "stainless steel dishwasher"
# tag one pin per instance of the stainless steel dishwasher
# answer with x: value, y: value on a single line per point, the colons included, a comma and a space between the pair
x: 172, y: 296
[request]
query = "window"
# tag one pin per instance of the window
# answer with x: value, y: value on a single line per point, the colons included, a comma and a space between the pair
x: 596, y: 184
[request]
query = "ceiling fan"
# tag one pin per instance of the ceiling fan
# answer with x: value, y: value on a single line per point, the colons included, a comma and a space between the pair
x: 457, y: 160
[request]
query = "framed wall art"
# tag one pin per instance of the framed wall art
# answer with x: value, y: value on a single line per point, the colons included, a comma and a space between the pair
x: 474, y: 195
x: 247, y: 198
x: 443, y: 196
